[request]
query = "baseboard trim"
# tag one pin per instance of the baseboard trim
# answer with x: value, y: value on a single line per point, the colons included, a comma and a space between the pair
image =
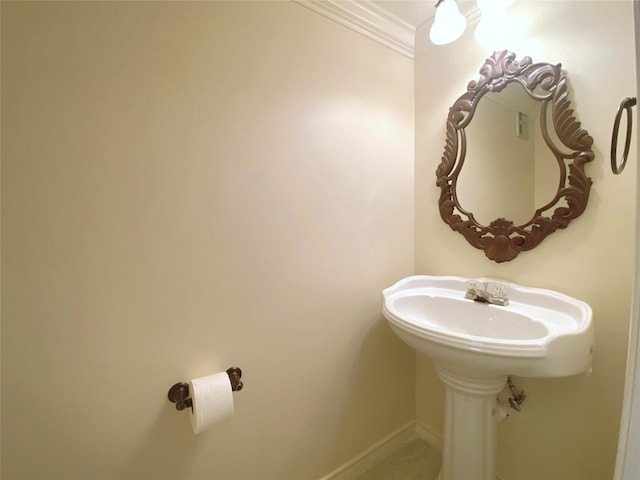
x: 384, y: 447
x: 433, y: 439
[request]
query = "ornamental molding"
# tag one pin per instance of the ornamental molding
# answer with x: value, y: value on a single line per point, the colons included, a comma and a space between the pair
x: 370, y: 20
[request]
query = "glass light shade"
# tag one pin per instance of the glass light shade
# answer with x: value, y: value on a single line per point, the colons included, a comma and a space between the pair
x: 449, y: 23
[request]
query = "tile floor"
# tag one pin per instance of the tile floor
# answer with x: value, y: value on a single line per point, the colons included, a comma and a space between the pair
x: 414, y: 460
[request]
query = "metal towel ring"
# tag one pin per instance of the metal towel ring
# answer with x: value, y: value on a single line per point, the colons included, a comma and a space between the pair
x: 626, y: 105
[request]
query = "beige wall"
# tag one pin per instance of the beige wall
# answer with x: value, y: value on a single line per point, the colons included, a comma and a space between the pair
x: 568, y: 429
x: 187, y: 187
x: 192, y: 186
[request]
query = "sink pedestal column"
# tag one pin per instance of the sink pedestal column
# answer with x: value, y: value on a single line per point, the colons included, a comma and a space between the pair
x: 470, y: 429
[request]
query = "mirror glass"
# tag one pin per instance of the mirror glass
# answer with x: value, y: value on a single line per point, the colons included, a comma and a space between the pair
x: 505, y: 140
x: 512, y: 171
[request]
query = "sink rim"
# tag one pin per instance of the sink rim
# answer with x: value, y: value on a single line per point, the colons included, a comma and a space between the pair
x: 454, y: 287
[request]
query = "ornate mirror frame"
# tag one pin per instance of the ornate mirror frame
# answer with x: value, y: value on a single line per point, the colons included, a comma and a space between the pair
x: 501, y: 240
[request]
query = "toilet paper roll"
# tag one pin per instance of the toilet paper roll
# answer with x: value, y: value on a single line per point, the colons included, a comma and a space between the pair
x: 212, y: 400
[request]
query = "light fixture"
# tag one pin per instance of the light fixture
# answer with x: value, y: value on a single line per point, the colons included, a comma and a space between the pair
x: 449, y: 23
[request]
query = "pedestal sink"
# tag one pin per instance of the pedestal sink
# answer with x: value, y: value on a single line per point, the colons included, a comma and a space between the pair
x: 475, y: 346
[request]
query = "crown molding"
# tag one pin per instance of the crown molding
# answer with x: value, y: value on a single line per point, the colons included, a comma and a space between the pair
x: 370, y: 20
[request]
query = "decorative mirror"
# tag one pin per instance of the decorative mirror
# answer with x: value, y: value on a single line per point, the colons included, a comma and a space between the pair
x: 521, y: 180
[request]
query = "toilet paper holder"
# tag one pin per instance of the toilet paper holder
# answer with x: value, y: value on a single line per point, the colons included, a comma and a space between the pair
x: 179, y: 393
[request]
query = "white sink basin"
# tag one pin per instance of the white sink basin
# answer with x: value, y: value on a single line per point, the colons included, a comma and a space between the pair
x: 540, y: 333
x: 475, y: 346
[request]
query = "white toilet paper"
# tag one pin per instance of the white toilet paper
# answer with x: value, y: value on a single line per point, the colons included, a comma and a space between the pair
x: 212, y: 400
